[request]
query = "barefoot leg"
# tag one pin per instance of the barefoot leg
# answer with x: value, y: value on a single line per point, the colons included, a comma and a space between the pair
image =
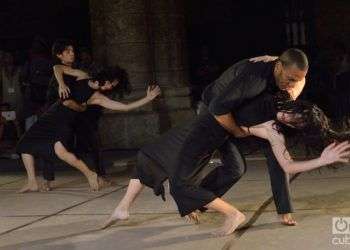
x: 73, y: 161
x: 32, y: 184
x: 287, y: 219
x: 46, y: 186
x: 192, y: 218
x: 233, y: 217
x: 121, y: 212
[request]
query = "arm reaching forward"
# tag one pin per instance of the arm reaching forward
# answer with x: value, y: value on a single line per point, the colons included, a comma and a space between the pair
x: 331, y: 154
x: 102, y: 100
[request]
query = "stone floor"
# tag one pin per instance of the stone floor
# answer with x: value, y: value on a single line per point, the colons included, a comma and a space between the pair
x: 69, y: 216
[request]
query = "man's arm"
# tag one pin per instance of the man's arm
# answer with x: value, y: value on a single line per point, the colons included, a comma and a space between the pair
x: 59, y: 70
x: 242, y: 88
x: 74, y: 105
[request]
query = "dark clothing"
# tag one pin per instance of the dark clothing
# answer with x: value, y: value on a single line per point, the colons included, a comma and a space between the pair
x: 84, y: 129
x: 35, y: 77
x: 52, y: 90
x: 238, y: 86
x: 56, y: 124
x: 240, y: 83
x: 182, y: 155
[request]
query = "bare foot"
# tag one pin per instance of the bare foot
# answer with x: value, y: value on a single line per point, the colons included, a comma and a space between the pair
x: 29, y: 187
x: 192, y: 217
x: 46, y: 186
x: 93, y: 181
x: 287, y: 220
x: 118, y: 214
x: 232, y: 221
x: 104, y: 183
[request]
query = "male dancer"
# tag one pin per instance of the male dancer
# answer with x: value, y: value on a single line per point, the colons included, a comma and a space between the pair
x: 239, y: 84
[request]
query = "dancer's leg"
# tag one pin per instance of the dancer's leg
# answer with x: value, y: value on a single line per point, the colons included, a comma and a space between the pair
x: 280, y: 187
x: 72, y: 160
x: 233, y: 217
x: 48, y: 174
x: 32, y: 184
x: 222, y: 178
x: 121, y: 212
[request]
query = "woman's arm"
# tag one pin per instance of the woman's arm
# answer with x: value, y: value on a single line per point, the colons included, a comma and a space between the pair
x: 102, y: 100
x: 331, y: 154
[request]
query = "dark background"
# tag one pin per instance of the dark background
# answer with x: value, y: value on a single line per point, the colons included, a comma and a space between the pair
x: 231, y: 29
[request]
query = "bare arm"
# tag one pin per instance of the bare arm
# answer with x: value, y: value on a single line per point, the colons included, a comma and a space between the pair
x: 229, y: 123
x: 59, y: 70
x: 331, y: 154
x: 74, y: 105
x: 102, y: 100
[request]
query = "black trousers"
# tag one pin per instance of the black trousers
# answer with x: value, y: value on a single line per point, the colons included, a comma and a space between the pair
x: 86, y: 141
x: 220, y: 180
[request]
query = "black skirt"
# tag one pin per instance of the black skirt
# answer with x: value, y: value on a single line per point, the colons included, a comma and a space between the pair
x: 54, y: 125
x: 181, y: 155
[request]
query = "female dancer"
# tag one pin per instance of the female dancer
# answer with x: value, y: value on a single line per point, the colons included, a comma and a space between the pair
x: 181, y: 155
x: 48, y: 137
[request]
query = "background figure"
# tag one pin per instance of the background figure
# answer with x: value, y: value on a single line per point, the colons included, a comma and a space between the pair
x: 86, y: 62
x: 36, y: 75
x: 205, y: 73
x: 10, y: 95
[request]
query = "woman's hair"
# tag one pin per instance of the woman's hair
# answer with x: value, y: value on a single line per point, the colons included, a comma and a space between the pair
x: 111, y: 74
x: 312, y: 127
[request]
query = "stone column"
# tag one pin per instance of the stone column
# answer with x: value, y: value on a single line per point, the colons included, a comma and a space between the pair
x: 120, y: 36
x: 146, y: 38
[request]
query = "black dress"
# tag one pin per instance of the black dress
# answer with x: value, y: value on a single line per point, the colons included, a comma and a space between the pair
x: 55, y: 125
x: 182, y: 154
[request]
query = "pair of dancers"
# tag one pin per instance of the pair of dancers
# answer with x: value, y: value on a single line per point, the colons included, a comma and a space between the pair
x: 49, y: 137
x: 247, y: 100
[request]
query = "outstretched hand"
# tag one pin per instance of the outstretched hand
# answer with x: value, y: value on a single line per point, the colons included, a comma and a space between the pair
x: 153, y: 91
x: 336, y: 153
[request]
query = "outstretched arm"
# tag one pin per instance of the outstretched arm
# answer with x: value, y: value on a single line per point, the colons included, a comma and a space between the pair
x: 102, y: 100
x: 331, y: 154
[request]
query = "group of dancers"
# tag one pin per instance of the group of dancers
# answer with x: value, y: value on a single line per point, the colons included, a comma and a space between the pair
x: 255, y: 99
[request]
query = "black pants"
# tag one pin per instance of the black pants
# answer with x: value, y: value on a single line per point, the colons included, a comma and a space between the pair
x: 86, y: 141
x: 233, y: 167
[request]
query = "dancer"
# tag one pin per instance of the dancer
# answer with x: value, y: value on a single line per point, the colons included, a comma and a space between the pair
x: 181, y: 155
x: 239, y: 84
x: 48, y: 137
x: 85, y: 127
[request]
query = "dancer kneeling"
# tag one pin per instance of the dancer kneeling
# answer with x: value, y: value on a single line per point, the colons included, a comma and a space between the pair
x: 48, y: 138
x: 181, y: 155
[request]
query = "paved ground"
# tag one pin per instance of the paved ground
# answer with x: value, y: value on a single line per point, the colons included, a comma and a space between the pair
x: 68, y: 216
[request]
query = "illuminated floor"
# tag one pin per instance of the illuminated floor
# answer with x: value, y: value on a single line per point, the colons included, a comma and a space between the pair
x: 69, y: 216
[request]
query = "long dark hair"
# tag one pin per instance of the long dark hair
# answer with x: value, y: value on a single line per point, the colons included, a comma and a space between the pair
x: 111, y: 74
x: 312, y: 128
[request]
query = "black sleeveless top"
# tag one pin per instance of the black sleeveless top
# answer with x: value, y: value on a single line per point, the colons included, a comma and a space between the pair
x: 80, y: 91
